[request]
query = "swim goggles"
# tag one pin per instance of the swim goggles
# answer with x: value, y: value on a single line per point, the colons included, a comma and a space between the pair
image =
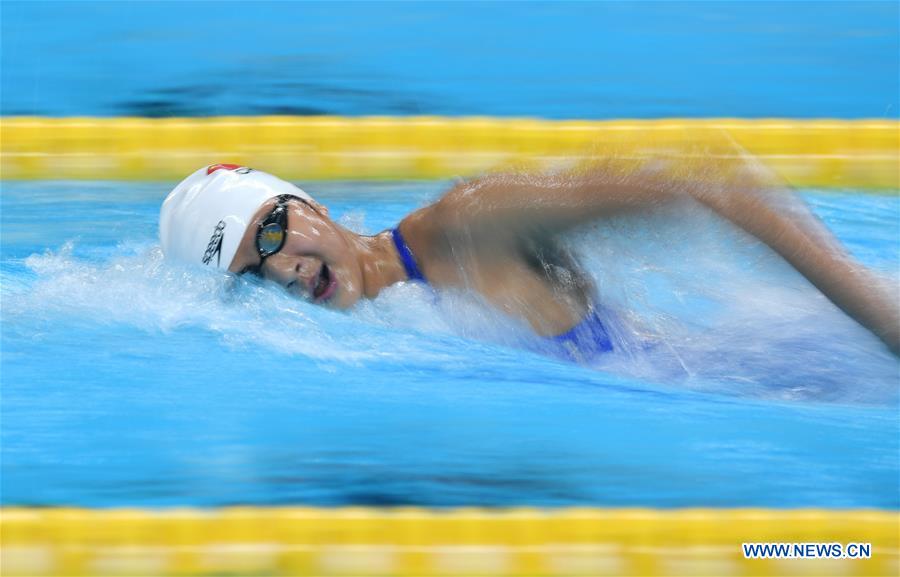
x: 272, y: 232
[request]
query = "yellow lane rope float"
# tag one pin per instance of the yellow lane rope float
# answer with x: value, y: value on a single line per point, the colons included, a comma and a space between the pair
x: 411, y: 541
x: 808, y: 153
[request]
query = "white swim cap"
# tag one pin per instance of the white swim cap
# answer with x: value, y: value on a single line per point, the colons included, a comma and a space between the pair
x: 204, y: 218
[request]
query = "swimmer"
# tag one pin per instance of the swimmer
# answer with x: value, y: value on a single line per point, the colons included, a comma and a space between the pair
x: 496, y: 235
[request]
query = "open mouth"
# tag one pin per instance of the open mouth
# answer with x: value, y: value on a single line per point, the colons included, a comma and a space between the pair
x: 326, y: 285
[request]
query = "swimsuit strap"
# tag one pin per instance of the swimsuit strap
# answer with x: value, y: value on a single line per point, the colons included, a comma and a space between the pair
x: 580, y: 343
x: 406, y: 255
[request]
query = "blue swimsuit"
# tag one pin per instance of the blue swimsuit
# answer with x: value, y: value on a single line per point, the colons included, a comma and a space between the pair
x: 584, y: 341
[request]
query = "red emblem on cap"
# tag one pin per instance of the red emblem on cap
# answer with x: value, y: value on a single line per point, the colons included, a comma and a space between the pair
x: 216, y: 167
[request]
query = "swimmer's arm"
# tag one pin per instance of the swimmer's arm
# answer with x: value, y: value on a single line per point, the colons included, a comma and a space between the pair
x: 519, y: 205
x: 535, y: 204
x: 814, y: 253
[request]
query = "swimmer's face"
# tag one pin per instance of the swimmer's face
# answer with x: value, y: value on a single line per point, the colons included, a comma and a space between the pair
x: 316, y: 261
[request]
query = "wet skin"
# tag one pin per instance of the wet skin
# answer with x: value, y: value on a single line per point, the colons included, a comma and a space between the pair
x: 496, y: 236
x: 324, y: 262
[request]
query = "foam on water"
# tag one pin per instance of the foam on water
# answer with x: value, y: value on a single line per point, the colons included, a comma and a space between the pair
x: 128, y: 380
x: 718, y: 311
x: 695, y: 305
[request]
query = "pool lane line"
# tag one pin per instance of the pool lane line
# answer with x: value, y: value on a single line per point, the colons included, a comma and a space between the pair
x: 416, y: 541
x: 823, y: 153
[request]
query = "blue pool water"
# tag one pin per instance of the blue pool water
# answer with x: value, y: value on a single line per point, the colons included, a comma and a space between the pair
x: 127, y: 380
x: 547, y: 59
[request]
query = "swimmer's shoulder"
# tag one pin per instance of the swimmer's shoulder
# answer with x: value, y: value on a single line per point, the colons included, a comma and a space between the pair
x: 436, y: 230
x: 448, y: 252
x: 426, y: 238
